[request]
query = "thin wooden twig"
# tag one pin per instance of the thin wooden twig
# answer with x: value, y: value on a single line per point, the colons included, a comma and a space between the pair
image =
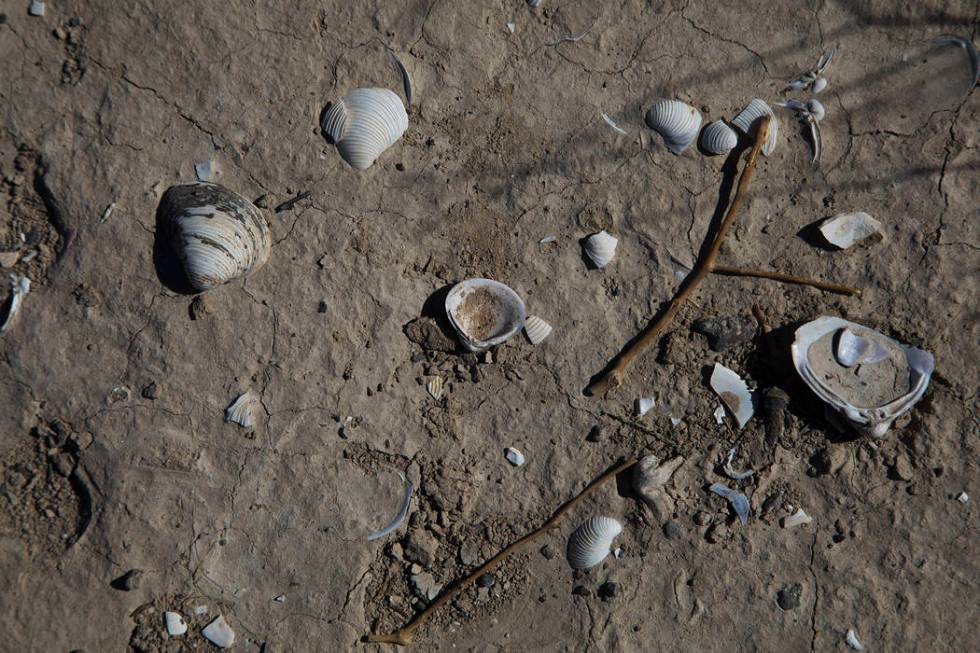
x: 614, y: 377
x: 404, y: 635
x: 785, y: 278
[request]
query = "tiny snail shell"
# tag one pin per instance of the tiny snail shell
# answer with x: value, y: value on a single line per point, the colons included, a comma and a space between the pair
x: 678, y: 123
x: 748, y: 117
x: 718, y: 138
x: 590, y: 543
x: 218, y: 235
x: 365, y: 123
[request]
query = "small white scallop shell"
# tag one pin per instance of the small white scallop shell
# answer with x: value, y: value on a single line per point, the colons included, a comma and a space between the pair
x: 484, y: 313
x: 365, y: 123
x: 819, y: 85
x: 718, y: 138
x: 733, y: 392
x: 175, y: 624
x: 219, y: 633
x: 748, y: 117
x: 536, y: 329
x: 849, y: 228
x: 600, y: 248
x: 218, y: 235
x: 678, y: 123
x: 19, y: 287
x: 241, y: 410
x: 591, y: 542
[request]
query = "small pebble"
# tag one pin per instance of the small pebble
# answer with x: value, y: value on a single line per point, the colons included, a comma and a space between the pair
x: 595, y: 435
x: 486, y: 580
x: 672, y: 530
x: 547, y: 552
x: 151, y: 391
x: 514, y: 457
x: 963, y: 497
x: 903, y: 467
x: 726, y: 332
x: 581, y: 590
x: 788, y: 598
x: 608, y: 590
x: 322, y: 306
x: 701, y: 518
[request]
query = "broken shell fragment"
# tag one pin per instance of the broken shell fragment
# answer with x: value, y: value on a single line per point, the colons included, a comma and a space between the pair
x: 819, y: 85
x: 219, y: 633
x: 718, y: 138
x: 241, y: 410
x: 971, y: 52
x: 869, y: 397
x: 734, y: 393
x: 365, y: 123
x: 798, y: 518
x: 852, y: 640
x: 19, y: 287
x: 600, y: 248
x: 175, y: 624
x: 853, y: 349
x: 649, y: 481
x: 750, y: 115
x: 643, y: 405
x: 847, y: 229
x: 396, y: 520
x: 591, y: 542
x: 678, y: 123
x: 536, y: 329
x: 484, y: 313
x: 816, y: 109
x: 513, y: 456
x: 218, y: 235
x: 731, y: 471
x: 612, y: 123
x: 738, y: 500
x: 435, y: 388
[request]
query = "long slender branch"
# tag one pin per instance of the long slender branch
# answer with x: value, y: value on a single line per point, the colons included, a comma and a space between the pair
x: 614, y: 377
x: 404, y: 635
x: 786, y: 278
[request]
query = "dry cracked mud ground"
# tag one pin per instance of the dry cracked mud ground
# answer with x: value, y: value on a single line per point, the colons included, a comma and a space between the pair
x: 113, y: 451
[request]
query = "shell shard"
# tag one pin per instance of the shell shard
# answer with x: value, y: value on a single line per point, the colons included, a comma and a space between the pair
x: 513, y: 456
x: 738, y: 500
x: 869, y: 397
x: 816, y: 109
x: 219, y: 633
x: 649, y: 481
x: 750, y: 115
x: 719, y: 414
x: 399, y: 516
x: 536, y: 329
x: 218, y: 235
x: 591, y: 542
x: 819, y: 85
x: 600, y: 248
x: 175, y: 623
x: 853, y: 349
x: 643, y: 405
x: 734, y: 393
x: 436, y: 388
x: 612, y: 123
x: 484, y: 313
x: 19, y: 287
x: 847, y: 229
x: 852, y: 640
x: 241, y: 410
x: 406, y: 79
x: 966, y: 44
x: 718, y: 138
x: 36, y: 8
x: 206, y: 170
x: 365, y: 123
x: 798, y: 518
x: 730, y: 470
x: 678, y: 123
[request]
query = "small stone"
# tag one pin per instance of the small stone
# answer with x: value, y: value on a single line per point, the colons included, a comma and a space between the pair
x: 129, y: 581
x: 486, y: 580
x: 776, y: 401
x: 723, y: 333
x: 701, y: 518
x: 788, y: 598
x: 469, y: 553
x: 396, y: 550
x: 63, y: 464
x: 322, y: 306
x: 581, y: 590
x: 36, y: 8
x: 608, y: 590
x: 714, y: 534
x: 75, y: 21
x: 400, y: 167
x: 830, y: 460
x: 672, y: 349
x: 595, y: 434
x: 514, y: 457
x: 9, y: 259
x: 903, y: 467
x: 421, y: 547
x: 672, y: 530
x: 547, y: 552
x: 426, y: 333
x: 151, y: 391
x: 426, y: 586
x: 201, y: 307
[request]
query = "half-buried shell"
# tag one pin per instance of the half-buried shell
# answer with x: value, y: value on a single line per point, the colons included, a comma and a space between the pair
x: 484, y: 313
x: 365, y: 123
x: 750, y: 115
x: 591, y: 542
x: 536, y: 329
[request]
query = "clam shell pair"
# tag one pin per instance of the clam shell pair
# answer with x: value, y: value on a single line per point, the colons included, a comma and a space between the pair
x: 365, y: 123
x: 823, y: 348
x: 678, y: 123
x: 750, y: 115
x: 218, y: 235
x: 591, y: 542
x: 484, y: 313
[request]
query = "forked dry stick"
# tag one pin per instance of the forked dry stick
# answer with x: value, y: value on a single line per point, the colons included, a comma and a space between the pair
x: 404, y: 635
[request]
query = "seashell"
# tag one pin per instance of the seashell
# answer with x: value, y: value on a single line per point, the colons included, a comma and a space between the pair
x: 966, y: 44
x: 649, y: 480
x: 816, y: 109
x: 397, y: 519
x: 750, y: 114
x: 547, y: 239
x: 19, y: 287
x: 36, y: 8
x: 107, y: 213
x: 612, y: 123
x: 963, y: 498
x: 240, y: 411
x: 600, y: 248
x: 643, y: 405
x: 436, y: 388
x: 365, y: 123
x: 798, y: 518
x: 406, y: 79
x: 513, y: 456
x: 511, y: 27
x: 536, y: 329
x: 848, y: 228
x: 484, y: 313
x: 206, y: 170
x: 591, y: 542
x: 865, y: 397
x: 852, y: 640
x: 219, y: 633
x: 217, y: 234
x: 734, y: 393
x: 731, y: 471
x: 175, y: 624
x: 853, y: 349
x: 718, y: 138
x: 819, y: 85
x: 720, y: 414
x: 738, y: 500
x: 678, y: 123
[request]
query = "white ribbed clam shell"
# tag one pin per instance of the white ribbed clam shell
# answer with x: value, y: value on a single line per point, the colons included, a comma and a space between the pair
x: 365, y: 123
x: 676, y: 121
x: 506, y: 310
x: 241, y: 411
x: 600, y: 248
x: 217, y: 234
x: 849, y: 228
x: 175, y: 623
x: 536, y: 329
x: 750, y: 114
x: 718, y: 138
x: 591, y: 541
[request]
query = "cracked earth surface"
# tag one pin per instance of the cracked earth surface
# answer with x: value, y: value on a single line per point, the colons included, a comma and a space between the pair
x: 112, y: 444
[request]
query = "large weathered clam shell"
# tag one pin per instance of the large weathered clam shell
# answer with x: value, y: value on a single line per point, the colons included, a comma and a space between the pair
x: 748, y: 117
x: 718, y: 138
x: 365, y: 123
x: 591, y: 541
x: 217, y: 234
x: 676, y: 121
x: 484, y: 312
x: 872, y: 395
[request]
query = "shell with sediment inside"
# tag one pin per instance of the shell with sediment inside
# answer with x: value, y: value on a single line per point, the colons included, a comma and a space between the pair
x: 484, y: 313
